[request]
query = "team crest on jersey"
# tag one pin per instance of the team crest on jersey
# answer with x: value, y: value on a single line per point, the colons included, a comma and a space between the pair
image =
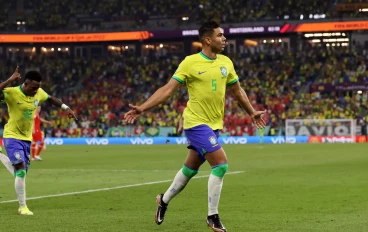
x: 213, y: 141
x: 223, y: 72
x: 17, y: 155
x: 35, y: 103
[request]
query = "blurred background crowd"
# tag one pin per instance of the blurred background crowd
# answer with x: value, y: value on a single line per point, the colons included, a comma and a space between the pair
x: 281, y: 79
x: 93, y: 15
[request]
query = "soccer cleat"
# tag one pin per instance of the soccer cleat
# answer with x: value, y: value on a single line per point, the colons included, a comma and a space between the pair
x: 25, y: 211
x: 215, y: 223
x: 161, y: 209
x: 38, y: 158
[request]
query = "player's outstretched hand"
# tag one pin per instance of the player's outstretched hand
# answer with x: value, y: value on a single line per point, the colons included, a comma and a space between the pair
x: 134, y: 113
x: 180, y: 129
x: 16, y: 75
x: 71, y: 114
x: 258, y: 120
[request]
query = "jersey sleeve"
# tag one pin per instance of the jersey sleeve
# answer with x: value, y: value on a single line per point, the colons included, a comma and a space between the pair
x: 43, y: 95
x: 182, y: 73
x: 232, y: 77
x: 8, y: 95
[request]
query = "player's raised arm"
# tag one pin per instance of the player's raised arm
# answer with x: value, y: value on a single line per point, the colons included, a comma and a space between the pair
x: 161, y: 95
x: 16, y: 76
x: 242, y: 97
x: 58, y: 103
x: 46, y: 121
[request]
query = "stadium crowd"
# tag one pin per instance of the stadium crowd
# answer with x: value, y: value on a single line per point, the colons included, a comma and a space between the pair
x: 52, y: 14
x: 68, y: 15
x: 274, y: 77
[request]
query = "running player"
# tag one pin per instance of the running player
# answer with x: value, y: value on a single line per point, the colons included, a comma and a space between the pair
x: 37, y: 135
x: 22, y: 102
x: 206, y: 75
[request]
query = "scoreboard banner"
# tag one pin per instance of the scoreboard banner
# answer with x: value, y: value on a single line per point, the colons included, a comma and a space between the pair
x: 171, y: 34
x: 227, y: 31
x: 125, y: 36
x: 73, y: 38
x: 327, y: 26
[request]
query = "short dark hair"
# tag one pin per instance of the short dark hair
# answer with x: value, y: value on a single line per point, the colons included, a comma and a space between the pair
x: 33, y: 76
x: 207, y: 28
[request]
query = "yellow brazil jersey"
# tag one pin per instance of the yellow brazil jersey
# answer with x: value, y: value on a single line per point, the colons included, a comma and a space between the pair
x: 206, y: 80
x: 21, y: 110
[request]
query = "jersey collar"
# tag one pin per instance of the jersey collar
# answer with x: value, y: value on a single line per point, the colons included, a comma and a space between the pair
x: 206, y: 57
x: 21, y: 90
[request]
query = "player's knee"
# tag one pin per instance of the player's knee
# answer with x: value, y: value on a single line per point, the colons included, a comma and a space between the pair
x: 220, y: 170
x: 188, y: 172
x: 20, y: 173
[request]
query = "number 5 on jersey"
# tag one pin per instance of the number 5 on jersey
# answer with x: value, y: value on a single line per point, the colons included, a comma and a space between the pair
x: 213, y: 85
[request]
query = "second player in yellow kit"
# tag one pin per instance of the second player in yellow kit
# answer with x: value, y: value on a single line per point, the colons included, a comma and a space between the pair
x: 21, y: 109
x: 22, y: 102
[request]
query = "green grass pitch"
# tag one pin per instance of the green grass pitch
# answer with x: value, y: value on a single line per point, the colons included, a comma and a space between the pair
x: 306, y: 187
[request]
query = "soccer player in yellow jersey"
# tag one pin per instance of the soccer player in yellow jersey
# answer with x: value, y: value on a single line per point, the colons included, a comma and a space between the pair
x: 206, y: 75
x: 22, y: 102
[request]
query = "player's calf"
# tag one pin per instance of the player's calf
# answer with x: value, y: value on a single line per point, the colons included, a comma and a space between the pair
x: 6, y: 161
x: 215, y: 182
x: 40, y: 146
x: 20, y: 189
x: 180, y: 181
x: 220, y: 170
x: 34, y: 149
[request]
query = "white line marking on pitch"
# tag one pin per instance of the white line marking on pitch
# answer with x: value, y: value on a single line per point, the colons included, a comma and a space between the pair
x: 103, y: 170
x: 108, y: 189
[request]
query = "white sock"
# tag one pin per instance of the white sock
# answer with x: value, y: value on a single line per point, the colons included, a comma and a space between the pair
x: 214, y: 192
x: 179, y: 183
x: 20, y: 189
x: 6, y: 161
